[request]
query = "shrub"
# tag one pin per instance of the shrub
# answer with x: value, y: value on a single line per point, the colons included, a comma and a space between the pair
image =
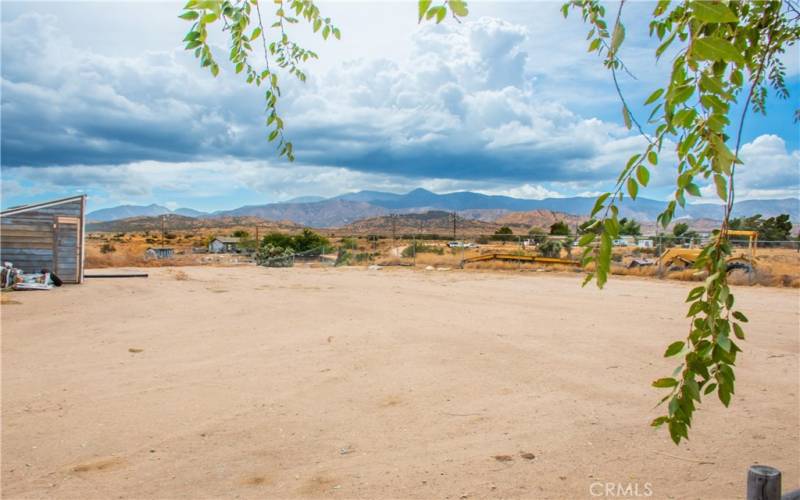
x: 349, y: 243
x: 409, y: 251
x: 551, y: 248
x: 107, y: 248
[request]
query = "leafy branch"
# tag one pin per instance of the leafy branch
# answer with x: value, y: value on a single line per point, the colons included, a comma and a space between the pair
x: 720, y: 44
x: 243, y: 28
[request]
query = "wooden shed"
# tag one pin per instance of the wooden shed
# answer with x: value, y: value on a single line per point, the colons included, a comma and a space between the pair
x: 47, y: 235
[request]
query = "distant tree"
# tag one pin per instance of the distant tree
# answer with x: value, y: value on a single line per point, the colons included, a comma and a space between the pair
x: 241, y: 233
x: 629, y: 227
x: 503, y: 234
x: 538, y: 235
x: 309, y: 240
x: 279, y: 240
x: 772, y: 229
x: 559, y: 228
x: 107, y: 248
x: 679, y: 229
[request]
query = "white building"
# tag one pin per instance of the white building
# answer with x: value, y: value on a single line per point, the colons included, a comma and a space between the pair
x: 224, y: 244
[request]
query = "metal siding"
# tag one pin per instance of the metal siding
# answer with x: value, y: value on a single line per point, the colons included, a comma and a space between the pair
x: 28, y: 240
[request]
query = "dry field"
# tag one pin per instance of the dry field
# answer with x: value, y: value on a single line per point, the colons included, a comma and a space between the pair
x: 204, y: 382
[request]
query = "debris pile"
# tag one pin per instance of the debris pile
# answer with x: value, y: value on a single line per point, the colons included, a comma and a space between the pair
x: 17, y: 279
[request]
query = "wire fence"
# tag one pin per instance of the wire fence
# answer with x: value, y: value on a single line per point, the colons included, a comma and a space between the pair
x: 512, y: 250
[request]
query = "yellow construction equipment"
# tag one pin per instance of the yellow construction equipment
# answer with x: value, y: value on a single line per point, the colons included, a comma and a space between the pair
x: 520, y: 258
x: 685, y: 257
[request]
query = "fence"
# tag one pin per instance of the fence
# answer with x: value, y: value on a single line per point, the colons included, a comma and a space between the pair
x: 771, y: 263
x: 764, y: 483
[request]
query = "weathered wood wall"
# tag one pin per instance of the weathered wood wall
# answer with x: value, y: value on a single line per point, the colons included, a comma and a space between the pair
x: 50, y: 237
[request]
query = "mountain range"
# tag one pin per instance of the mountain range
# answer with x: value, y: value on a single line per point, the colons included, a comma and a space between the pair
x: 351, y: 207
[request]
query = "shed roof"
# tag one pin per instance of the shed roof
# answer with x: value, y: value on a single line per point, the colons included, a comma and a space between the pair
x: 227, y: 239
x: 36, y: 206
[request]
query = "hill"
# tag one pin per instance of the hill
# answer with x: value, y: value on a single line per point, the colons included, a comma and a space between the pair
x: 431, y: 222
x: 348, y: 208
x: 173, y: 222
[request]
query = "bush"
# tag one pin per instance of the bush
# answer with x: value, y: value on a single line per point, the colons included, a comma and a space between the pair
x: 409, y: 251
x: 309, y: 240
x: 343, y: 257
x: 277, y: 240
x: 551, y: 248
x: 348, y: 243
x: 107, y: 248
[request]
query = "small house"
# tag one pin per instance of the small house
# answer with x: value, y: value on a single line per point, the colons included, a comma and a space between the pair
x: 48, y: 235
x: 645, y: 243
x: 224, y: 244
x: 159, y: 253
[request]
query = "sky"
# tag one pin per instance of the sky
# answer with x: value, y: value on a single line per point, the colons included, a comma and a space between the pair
x: 100, y: 98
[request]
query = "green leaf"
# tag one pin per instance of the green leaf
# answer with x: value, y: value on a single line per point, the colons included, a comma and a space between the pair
x: 190, y: 15
x: 616, y: 39
x: 665, y: 383
x: 256, y: 33
x: 737, y: 330
x: 739, y: 316
x: 722, y: 187
x: 713, y: 12
x: 598, y: 204
x: 643, y: 175
x: 658, y: 422
x: 626, y: 116
x: 655, y: 95
x: 693, y: 189
x: 440, y: 14
x: 209, y: 18
x: 633, y: 188
x: 423, y: 6
x: 712, y: 48
x: 326, y: 31
x: 273, y: 135
x: 652, y: 157
x: 337, y: 33
x: 459, y: 8
x: 674, y: 348
x: 586, y: 239
x: 214, y: 69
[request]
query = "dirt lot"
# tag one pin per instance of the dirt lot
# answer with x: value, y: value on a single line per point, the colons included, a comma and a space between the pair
x: 253, y: 382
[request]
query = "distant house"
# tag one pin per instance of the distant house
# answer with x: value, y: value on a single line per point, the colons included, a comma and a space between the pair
x: 224, y: 244
x: 645, y: 243
x: 159, y: 253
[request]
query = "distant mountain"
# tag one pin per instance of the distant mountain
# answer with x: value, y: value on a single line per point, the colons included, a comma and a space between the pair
x: 128, y: 211
x: 432, y: 222
x: 347, y: 208
x: 189, y: 212
x: 175, y: 222
x: 642, y: 208
x: 125, y: 211
x: 328, y: 213
x: 306, y: 199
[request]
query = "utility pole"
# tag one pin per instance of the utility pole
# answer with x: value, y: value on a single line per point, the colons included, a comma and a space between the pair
x: 163, y: 219
x: 393, y: 217
x: 454, y: 225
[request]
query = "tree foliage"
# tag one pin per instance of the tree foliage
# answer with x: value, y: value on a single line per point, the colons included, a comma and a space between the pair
x: 771, y: 229
x: 559, y: 228
x: 725, y: 52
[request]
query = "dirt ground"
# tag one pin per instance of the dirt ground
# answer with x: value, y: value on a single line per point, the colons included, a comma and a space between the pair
x: 204, y: 382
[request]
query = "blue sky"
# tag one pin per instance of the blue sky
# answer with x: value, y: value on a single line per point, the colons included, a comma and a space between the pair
x: 99, y: 97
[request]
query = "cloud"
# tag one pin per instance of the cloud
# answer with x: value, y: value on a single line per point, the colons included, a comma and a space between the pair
x: 478, y: 106
x: 461, y: 107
